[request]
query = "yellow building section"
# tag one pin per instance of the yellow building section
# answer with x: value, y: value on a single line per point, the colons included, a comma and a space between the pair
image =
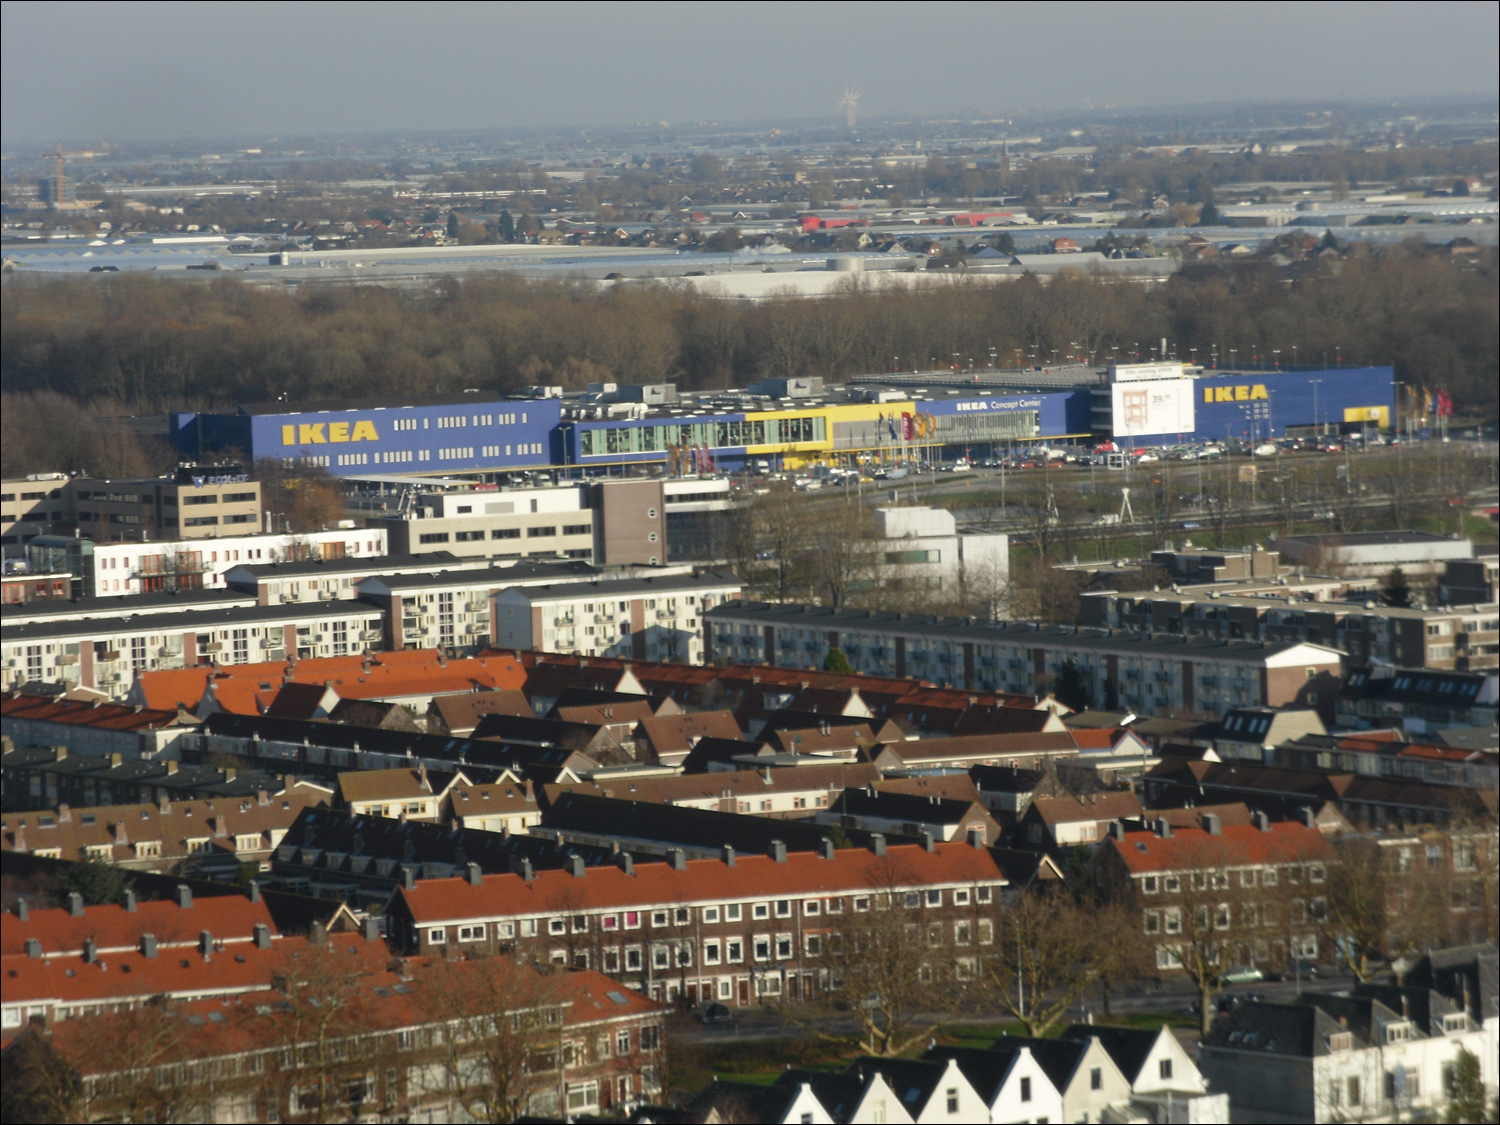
x: 845, y: 429
x: 1380, y: 414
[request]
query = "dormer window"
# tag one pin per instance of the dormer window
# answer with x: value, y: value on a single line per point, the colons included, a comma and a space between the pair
x: 1340, y: 1041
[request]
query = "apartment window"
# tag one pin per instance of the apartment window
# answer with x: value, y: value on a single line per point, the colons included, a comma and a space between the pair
x: 437, y: 936
x: 557, y: 926
x: 471, y: 933
x: 710, y: 915
x: 952, y: 1099
x: 783, y: 908
x: 622, y: 1042
x: 1150, y: 885
x: 541, y: 532
x: 861, y: 903
x: 783, y: 947
x: 1025, y: 1089
x: 505, y: 533
x: 762, y: 948
x: 1164, y: 1069
x: 1096, y: 1078
x: 433, y: 537
x: 633, y: 959
x: 733, y: 912
x: 661, y: 957
x: 760, y: 911
x: 711, y: 952
x: 734, y: 951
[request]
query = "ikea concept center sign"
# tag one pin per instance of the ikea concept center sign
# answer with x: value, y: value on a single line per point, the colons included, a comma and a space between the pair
x: 1171, y: 404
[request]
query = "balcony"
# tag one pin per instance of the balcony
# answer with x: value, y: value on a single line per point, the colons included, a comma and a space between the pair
x: 478, y: 606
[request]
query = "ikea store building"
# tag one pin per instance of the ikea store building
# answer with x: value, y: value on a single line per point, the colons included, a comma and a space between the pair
x: 946, y: 416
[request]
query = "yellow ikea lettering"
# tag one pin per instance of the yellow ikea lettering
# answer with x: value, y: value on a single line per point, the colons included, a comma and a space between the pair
x: 338, y: 431
x: 365, y: 431
x: 288, y: 435
x: 1259, y: 391
x: 311, y: 434
x: 1223, y: 394
x: 1242, y: 394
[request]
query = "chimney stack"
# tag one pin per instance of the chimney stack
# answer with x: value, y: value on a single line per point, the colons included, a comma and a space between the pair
x: 90, y: 951
x: 184, y: 896
x: 678, y: 859
x: 626, y: 862
x: 877, y: 843
x: 148, y: 945
x: 371, y: 928
x: 1211, y: 824
x: 262, y: 936
x: 825, y: 848
x: 976, y: 837
x: 576, y: 866
x: 253, y: 889
x: 528, y: 873
x: 129, y: 901
x: 728, y: 855
x: 778, y: 851
x: 75, y: 904
x: 471, y: 872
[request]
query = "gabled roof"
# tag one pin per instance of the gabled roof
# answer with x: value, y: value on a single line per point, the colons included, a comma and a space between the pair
x: 1058, y: 1058
x: 460, y: 714
x: 1128, y: 1047
x: 748, y: 1101
x: 396, y: 784
x: 914, y: 1081
x: 1006, y: 720
x: 678, y: 734
x: 986, y: 1070
x: 172, y: 824
x: 722, y: 785
x: 612, y: 713
x: 1188, y: 849
x: 751, y: 876
x: 975, y: 749
x: 1082, y: 809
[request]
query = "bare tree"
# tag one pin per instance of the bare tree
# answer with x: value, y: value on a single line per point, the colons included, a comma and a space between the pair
x: 877, y: 963
x: 495, y: 1015
x: 1049, y: 951
x: 842, y: 545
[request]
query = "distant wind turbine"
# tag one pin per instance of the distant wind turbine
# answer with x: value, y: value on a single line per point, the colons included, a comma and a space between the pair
x: 850, y: 102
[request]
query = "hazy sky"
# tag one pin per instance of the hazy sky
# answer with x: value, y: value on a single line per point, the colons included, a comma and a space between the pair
x: 121, y: 71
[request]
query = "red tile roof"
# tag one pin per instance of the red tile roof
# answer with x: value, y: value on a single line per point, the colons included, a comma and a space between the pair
x: 101, y: 716
x: 247, y: 689
x: 180, y: 972
x: 438, y: 901
x: 230, y: 918
x: 1188, y: 849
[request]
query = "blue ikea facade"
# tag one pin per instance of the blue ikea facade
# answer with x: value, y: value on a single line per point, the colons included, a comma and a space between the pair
x: 451, y: 433
x: 1262, y: 404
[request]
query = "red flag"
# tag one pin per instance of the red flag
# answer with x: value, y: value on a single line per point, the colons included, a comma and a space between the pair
x: 907, y: 426
x: 1445, y: 404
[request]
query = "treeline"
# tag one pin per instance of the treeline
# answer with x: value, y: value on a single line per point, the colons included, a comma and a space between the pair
x: 132, y: 343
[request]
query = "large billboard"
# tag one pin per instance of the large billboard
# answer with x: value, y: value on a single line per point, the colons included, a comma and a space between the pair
x: 1153, y: 408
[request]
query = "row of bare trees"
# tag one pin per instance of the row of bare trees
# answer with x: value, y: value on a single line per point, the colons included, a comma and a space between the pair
x: 150, y: 344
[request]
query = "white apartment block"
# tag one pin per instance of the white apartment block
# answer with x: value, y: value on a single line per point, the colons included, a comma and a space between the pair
x: 652, y: 618
x: 158, y: 567
x: 922, y: 548
x: 105, y: 653
x: 513, y: 523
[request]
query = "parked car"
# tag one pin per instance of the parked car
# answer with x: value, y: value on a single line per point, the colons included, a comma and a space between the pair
x: 1247, y: 975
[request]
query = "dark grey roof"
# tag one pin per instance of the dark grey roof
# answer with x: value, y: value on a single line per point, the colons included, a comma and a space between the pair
x: 535, y: 762
x: 985, y: 1070
x: 1058, y: 1058
x: 745, y: 1101
x: 127, y: 605
x: 489, y: 574
x: 1129, y: 1047
x: 977, y: 631
x: 375, y: 402
x: 1006, y: 779
x: 912, y: 807
x: 416, y: 842
x: 208, y: 618
x: 838, y: 1093
x: 912, y: 1080
x: 612, y: 587
x: 699, y: 828
x: 372, y: 564
x: 1427, y: 686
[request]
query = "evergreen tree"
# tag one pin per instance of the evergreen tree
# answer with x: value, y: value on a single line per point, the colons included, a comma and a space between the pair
x: 836, y: 661
x: 98, y: 881
x: 1070, y: 688
x: 1394, y: 589
x: 1466, y: 1100
x: 507, y: 227
x: 1209, y: 216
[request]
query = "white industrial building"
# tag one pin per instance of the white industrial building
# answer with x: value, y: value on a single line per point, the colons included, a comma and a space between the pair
x: 921, y: 547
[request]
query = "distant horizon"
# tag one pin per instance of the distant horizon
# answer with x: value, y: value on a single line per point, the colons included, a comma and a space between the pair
x: 153, y: 72
x: 1030, y: 119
